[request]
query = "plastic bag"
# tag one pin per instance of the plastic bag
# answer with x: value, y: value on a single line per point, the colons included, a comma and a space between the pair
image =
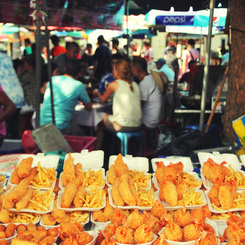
x: 174, y: 141
x: 239, y: 128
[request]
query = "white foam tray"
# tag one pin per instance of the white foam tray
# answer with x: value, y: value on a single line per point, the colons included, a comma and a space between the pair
x: 60, y: 194
x: 137, y: 163
x: 127, y: 207
x: 231, y: 159
x: 194, y: 174
x: 61, y: 185
x: 212, y: 209
x: 188, y: 166
x: 89, y: 160
x: 168, y: 207
x: 147, y: 243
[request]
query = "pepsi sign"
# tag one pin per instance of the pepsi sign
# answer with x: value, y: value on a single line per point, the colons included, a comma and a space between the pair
x: 175, y: 20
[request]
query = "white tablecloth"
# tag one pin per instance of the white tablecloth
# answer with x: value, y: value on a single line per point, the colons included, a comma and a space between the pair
x: 91, y: 118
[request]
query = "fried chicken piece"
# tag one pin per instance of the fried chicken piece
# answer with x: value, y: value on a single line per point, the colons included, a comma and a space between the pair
x: 191, y: 232
x: 5, y: 216
x: 68, y: 175
x: 21, y: 229
x: 79, y: 197
x: 40, y: 235
x: 79, y: 173
x: 170, y: 172
x: 225, y: 197
x: 48, y: 240
x: 15, y: 179
x: 120, y: 167
x: 217, y: 173
x: 181, y: 187
x: 68, y: 195
x: 10, y: 230
x: 144, y: 234
x: 2, y: 228
x: 57, y: 214
x: 159, y: 171
x: 168, y: 193
x: 182, y: 217
x: 135, y: 219
x: 31, y: 227
x: 116, y: 196
x: 111, y: 175
x: 124, y: 234
x: 22, y: 203
x: 118, y: 216
x: 173, y: 232
x: 32, y: 174
x: 158, y: 209
x: 16, y: 194
x: 48, y: 219
x: 24, y: 167
x: 125, y: 191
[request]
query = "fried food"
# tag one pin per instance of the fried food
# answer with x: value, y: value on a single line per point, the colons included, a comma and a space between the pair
x: 191, y: 198
x: 48, y: 219
x: 181, y: 187
x: 57, y: 214
x: 160, y: 240
x: 191, y: 232
x: 111, y: 175
x: 159, y: 171
x: 20, y: 229
x: 48, y: 240
x: 124, y: 234
x: 125, y: 191
x: 5, y: 216
x: 68, y: 175
x: 144, y: 234
x: 170, y: 172
x: 173, y: 232
x: 118, y: 216
x: 22, y: 203
x: 21, y: 217
x: 15, y: 179
x: 213, y: 194
x: 136, y: 195
x: 140, y: 179
x: 198, y: 216
x: 10, y: 230
x: 110, y: 230
x: 116, y: 196
x: 225, y: 197
x: 16, y: 194
x: 158, y: 209
x: 24, y: 167
x: 80, y: 197
x: 68, y: 195
x: 105, y: 214
x: 135, y: 219
x: 182, y: 217
x: 190, y: 181
x: 208, y: 238
x: 168, y: 192
x: 120, y: 167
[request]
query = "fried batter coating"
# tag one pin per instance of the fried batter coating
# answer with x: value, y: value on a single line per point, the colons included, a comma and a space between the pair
x: 158, y: 209
x: 57, y: 214
x: 24, y: 167
x: 22, y: 203
x: 182, y: 217
x: 208, y: 239
x: 48, y: 240
x: 48, y: 219
x: 125, y: 191
x: 79, y: 174
x: 160, y: 240
x: 170, y: 172
x: 225, y: 197
x: 135, y: 219
x: 21, y: 229
x: 134, y: 192
x: 110, y: 230
x: 111, y: 175
x: 118, y: 216
x: 79, y: 197
x: 144, y: 234
x: 15, y: 179
x: 116, y: 196
x: 10, y: 230
x: 68, y: 175
x: 181, y: 187
x: 159, y: 171
x: 5, y: 216
x: 213, y: 194
x: 197, y: 216
x: 124, y: 235
x: 168, y: 193
x: 120, y: 167
x: 16, y: 194
x: 68, y: 195
x: 191, y: 232
x: 173, y: 232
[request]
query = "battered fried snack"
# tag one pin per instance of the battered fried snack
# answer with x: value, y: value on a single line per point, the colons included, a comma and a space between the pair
x: 111, y: 175
x: 20, y: 229
x: 68, y: 175
x: 5, y: 216
x: 182, y: 217
x: 173, y: 232
x: 168, y: 192
x: 225, y: 197
x: 125, y: 191
x: 68, y: 195
x: 144, y: 234
x: 191, y: 232
x: 16, y: 194
x: 15, y: 179
x: 120, y: 166
x: 24, y: 167
x: 79, y: 197
x: 10, y: 230
x: 79, y: 174
x: 48, y: 219
x: 159, y: 171
x: 57, y: 214
x: 158, y: 209
x: 135, y: 219
x: 116, y: 196
x: 124, y: 234
x: 22, y: 203
x: 134, y: 192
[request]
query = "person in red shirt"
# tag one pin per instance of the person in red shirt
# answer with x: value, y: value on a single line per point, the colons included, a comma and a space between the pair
x: 57, y: 49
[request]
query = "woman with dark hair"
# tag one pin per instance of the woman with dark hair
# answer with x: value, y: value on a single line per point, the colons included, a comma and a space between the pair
x: 126, y: 108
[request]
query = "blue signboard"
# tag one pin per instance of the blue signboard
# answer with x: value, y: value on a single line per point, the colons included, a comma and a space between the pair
x: 175, y: 20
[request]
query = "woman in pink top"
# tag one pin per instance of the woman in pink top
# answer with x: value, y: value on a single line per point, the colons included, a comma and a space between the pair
x: 7, y: 108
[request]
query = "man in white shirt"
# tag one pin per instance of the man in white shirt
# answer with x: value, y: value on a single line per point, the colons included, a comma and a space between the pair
x: 189, y: 54
x: 151, y: 97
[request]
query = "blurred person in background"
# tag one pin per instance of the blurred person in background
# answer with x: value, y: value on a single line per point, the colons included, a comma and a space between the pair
x: 171, y: 59
x: 27, y: 50
x: 7, y: 109
x: 162, y: 66
x: 57, y: 49
x: 88, y: 55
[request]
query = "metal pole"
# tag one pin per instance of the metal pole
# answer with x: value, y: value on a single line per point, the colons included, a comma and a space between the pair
x: 38, y: 64
x: 127, y: 13
x: 49, y: 61
x: 206, y: 67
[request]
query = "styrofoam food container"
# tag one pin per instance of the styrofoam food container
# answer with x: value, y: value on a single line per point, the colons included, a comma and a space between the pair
x: 193, y: 242
x: 218, y: 158
x: 168, y: 207
x: 3, y: 183
x: 223, y: 221
x: 149, y: 182
x: 212, y: 209
x: 89, y: 160
x: 213, y: 224
x: 148, y: 243
x: 36, y: 222
x: 242, y: 158
x: 61, y: 185
x: 194, y: 174
x: 48, y: 226
x: 94, y: 234
x: 35, y: 211
x: 49, y: 161
x: 208, y: 184
x: 137, y: 163
x: 60, y: 194
x: 127, y: 207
